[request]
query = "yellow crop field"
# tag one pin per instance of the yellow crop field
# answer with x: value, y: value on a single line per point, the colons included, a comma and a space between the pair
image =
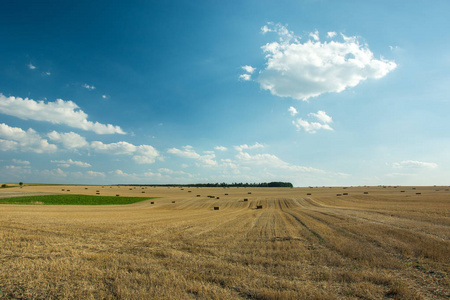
x: 302, y: 243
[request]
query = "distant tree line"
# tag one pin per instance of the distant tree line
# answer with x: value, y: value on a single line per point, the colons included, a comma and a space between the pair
x: 223, y: 184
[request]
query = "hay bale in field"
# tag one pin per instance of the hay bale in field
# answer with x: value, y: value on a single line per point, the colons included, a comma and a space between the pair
x: 143, y: 192
x: 153, y: 202
x: 418, y: 193
x: 308, y: 194
x: 97, y: 193
x: 402, y: 191
x: 446, y: 190
x: 338, y: 194
x: 258, y: 206
x: 189, y: 191
x: 245, y: 200
x: 365, y: 193
x: 63, y: 190
x: 216, y: 208
x: 85, y: 188
x: 217, y: 197
x: 198, y: 195
x: 117, y: 195
x: 226, y: 194
x: 174, y: 201
x: 413, y: 188
x: 68, y: 190
x: 249, y: 193
x: 345, y: 194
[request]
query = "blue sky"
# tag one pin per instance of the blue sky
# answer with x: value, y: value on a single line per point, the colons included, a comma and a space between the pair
x: 310, y: 92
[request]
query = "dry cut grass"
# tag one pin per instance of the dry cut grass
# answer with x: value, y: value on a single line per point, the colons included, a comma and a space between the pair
x: 383, y: 244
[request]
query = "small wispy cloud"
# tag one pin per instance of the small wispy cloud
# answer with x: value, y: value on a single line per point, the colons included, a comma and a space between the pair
x: 249, y: 70
x: 245, y: 77
x: 414, y: 164
x: 21, y: 162
x: 293, y: 111
x: 89, y: 87
x: 240, y: 148
x: 220, y: 148
x: 31, y: 66
x: 331, y: 34
x: 312, y: 127
x: 70, y: 162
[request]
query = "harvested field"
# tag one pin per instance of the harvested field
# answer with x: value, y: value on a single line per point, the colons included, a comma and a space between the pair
x: 384, y: 244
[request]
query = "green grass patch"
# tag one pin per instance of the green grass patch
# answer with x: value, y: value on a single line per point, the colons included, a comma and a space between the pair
x: 73, y: 200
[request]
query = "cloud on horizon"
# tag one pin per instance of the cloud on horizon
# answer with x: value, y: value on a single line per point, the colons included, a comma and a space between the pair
x: 414, y: 164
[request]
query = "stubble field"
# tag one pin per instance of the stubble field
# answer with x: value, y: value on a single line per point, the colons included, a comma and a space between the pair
x: 374, y: 243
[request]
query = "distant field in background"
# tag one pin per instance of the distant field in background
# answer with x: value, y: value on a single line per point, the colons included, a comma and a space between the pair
x: 72, y: 200
x: 304, y: 243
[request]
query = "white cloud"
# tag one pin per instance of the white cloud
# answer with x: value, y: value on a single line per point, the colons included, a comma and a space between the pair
x: 247, y: 147
x: 89, y: 87
x: 48, y: 73
x: 58, y: 112
x: 172, y: 172
x: 187, y: 151
x: 304, y: 70
x: 95, y: 174
x: 70, y: 162
x: 146, y: 154
x: 27, y: 141
x: 6, y: 145
x: 70, y: 140
x: 31, y: 67
x: 314, y: 35
x: 293, y: 111
x: 414, y: 164
x: 121, y: 173
x: 272, y: 161
x: 310, y: 127
x: 21, y: 162
x: 282, y: 31
x: 220, y: 148
x: 245, y: 77
x: 105, y: 96
x: 331, y: 34
x: 16, y: 171
x: 207, y: 160
x: 58, y: 173
x: 322, y: 116
x: 143, y: 154
x: 113, y: 148
x: 248, y: 69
